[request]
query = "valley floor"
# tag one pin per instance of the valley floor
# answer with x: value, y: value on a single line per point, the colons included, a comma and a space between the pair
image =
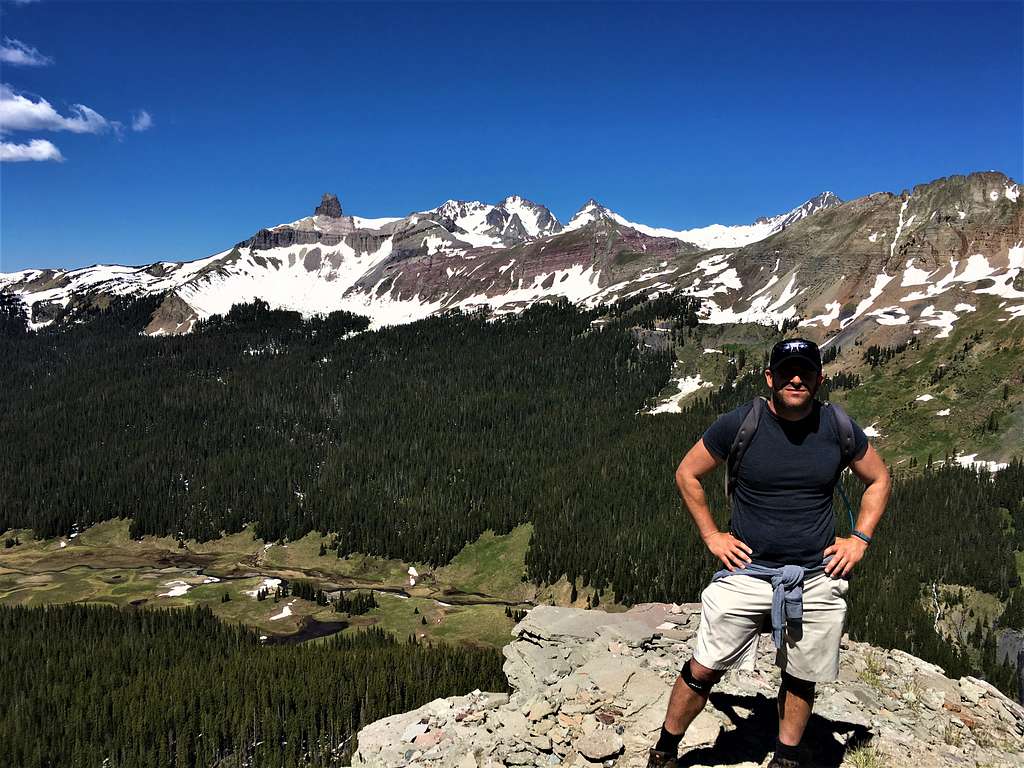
x: 468, y: 601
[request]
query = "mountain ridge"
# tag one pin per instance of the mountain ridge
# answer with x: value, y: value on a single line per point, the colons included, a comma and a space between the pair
x: 830, y: 266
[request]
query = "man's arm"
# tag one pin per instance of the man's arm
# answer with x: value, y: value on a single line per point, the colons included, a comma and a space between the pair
x: 695, y: 464
x: 875, y: 475
x: 848, y: 551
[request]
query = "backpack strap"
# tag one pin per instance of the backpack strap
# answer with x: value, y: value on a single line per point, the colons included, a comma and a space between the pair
x: 741, y: 442
x: 844, y: 430
x: 847, y: 446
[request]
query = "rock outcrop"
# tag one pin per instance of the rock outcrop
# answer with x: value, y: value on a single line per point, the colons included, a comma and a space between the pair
x: 329, y: 206
x: 590, y: 688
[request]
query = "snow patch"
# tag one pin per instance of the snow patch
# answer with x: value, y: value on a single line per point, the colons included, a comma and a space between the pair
x: 942, y: 319
x: 434, y: 243
x: 319, y: 289
x: 363, y: 223
x: 872, y: 431
x: 577, y: 283
x: 881, y: 281
x: 686, y: 385
x: 828, y: 318
x: 268, y: 584
x: 924, y: 398
x: 899, y: 227
x: 970, y: 461
x: 890, y: 316
x: 286, y: 611
x: 943, y: 412
x: 177, y: 589
x: 914, y: 276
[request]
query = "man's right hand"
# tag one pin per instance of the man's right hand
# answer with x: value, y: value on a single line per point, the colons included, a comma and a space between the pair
x: 730, y: 550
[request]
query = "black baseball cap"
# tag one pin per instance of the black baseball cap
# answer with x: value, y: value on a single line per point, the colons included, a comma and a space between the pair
x: 800, y: 349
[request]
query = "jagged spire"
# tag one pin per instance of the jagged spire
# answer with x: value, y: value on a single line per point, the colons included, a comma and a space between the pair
x: 329, y: 206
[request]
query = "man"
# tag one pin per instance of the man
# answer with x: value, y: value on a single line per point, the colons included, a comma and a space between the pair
x: 781, y: 532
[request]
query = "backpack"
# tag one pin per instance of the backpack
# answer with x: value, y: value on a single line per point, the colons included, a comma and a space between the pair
x: 745, y: 435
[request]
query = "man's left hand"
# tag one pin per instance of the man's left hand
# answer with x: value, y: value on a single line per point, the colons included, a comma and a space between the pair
x: 846, y: 553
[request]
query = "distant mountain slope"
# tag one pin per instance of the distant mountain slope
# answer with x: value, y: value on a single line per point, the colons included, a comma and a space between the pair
x: 882, y: 266
x: 714, y: 235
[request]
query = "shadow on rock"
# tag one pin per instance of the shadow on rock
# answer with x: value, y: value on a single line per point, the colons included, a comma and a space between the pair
x: 755, y: 720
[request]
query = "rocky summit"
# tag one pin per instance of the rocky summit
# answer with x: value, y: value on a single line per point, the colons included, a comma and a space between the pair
x: 590, y: 688
x: 329, y: 206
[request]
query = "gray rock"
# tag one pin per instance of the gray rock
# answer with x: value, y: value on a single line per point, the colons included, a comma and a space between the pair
x: 520, y: 757
x: 703, y: 730
x: 329, y: 206
x: 609, y: 701
x: 600, y: 745
x: 970, y: 691
x: 543, y: 743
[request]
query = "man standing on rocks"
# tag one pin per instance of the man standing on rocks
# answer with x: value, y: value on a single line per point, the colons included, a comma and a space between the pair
x: 781, y: 555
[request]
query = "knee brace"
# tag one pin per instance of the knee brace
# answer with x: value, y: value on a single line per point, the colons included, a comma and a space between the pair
x: 804, y: 688
x: 687, y: 674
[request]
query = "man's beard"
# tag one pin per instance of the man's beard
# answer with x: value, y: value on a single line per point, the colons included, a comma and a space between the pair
x: 783, y: 408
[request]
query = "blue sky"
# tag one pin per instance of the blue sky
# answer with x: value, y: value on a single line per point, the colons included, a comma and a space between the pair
x: 674, y: 115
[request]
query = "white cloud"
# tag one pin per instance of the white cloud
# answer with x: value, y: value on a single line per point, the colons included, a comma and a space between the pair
x: 142, y: 121
x: 37, y: 149
x: 20, y: 55
x: 21, y: 113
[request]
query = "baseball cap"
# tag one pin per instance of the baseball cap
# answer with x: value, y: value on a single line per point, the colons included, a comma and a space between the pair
x: 800, y: 349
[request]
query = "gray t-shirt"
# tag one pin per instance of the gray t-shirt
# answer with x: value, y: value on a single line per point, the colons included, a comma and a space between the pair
x: 782, y: 503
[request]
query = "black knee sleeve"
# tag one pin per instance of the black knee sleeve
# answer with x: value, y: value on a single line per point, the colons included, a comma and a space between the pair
x: 687, y: 674
x: 798, y: 686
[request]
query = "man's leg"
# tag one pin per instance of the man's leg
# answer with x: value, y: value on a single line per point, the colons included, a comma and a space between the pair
x: 810, y: 654
x: 688, y: 698
x: 796, y: 699
x: 731, y: 613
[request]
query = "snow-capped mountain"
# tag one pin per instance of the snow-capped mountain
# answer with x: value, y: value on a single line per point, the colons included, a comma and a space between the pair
x: 812, y: 206
x: 513, y: 220
x: 713, y: 235
x: 881, y: 264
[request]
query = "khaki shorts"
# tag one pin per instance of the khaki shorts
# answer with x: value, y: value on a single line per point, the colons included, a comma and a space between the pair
x: 736, y: 609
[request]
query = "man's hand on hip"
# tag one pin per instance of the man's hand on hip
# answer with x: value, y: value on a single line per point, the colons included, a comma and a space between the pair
x: 846, y: 553
x: 730, y: 550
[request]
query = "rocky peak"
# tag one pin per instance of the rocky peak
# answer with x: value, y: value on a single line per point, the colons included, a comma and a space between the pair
x: 329, y: 206
x: 536, y: 219
x: 590, y: 688
x: 589, y: 212
x: 512, y: 221
x: 817, y: 203
x: 590, y: 205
